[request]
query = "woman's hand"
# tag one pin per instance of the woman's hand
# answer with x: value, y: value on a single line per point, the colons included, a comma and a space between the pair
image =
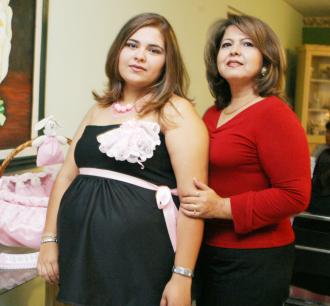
x: 48, y: 262
x: 177, y: 292
x: 205, y: 203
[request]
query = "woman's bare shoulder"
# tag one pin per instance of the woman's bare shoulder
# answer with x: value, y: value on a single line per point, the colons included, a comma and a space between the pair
x: 178, y: 108
x: 181, y: 112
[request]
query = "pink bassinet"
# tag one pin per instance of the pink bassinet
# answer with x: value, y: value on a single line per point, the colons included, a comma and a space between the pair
x: 23, y: 205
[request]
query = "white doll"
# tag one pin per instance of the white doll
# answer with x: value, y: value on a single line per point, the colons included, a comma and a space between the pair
x: 49, y: 144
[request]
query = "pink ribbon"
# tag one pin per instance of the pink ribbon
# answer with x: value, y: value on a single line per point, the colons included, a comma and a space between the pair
x: 163, y: 196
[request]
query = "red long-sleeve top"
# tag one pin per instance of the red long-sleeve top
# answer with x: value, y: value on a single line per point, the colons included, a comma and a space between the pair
x: 260, y: 160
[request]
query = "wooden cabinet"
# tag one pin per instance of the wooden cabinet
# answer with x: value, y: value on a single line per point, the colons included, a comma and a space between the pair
x: 312, y: 103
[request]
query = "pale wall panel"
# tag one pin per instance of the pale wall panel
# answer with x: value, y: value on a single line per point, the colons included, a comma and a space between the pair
x: 81, y: 31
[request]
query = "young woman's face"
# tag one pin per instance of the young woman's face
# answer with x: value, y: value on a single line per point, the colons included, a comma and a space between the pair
x: 142, y: 58
x: 238, y: 59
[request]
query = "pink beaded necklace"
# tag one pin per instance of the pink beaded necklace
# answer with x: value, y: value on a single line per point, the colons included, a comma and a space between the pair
x: 122, y: 108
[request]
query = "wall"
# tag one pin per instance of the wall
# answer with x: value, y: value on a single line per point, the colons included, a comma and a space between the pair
x: 313, y: 35
x: 316, y: 30
x: 80, y: 33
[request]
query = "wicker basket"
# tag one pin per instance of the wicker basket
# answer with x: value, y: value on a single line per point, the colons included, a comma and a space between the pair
x: 17, y: 150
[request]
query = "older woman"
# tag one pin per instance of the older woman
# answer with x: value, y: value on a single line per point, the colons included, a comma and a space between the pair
x: 259, y: 173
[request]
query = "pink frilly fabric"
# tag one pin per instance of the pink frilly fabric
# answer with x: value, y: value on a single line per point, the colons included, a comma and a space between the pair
x: 10, y: 279
x: 23, y: 205
x: 50, y: 152
x: 134, y: 141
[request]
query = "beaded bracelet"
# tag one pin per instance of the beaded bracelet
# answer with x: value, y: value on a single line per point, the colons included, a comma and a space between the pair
x: 48, y: 239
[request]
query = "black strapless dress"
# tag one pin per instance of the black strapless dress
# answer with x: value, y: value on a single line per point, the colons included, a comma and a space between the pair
x: 113, y: 242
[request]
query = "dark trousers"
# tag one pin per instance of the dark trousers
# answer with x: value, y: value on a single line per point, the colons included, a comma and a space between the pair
x: 243, y: 277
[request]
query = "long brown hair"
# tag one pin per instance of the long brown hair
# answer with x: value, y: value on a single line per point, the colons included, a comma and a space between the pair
x: 264, y: 38
x: 173, y: 78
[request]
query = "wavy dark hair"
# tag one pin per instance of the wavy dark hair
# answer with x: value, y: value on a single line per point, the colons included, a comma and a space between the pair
x: 264, y: 38
x: 173, y: 78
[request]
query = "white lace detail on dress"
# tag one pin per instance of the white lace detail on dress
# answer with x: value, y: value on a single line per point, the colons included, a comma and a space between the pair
x: 134, y: 141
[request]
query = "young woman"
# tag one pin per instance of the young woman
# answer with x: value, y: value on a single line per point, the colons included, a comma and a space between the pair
x: 111, y: 216
x: 259, y: 173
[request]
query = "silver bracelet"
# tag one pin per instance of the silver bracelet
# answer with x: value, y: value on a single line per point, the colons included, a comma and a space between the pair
x: 183, y: 271
x: 48, y: 239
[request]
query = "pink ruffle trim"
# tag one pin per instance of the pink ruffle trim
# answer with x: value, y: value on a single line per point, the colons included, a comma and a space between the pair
x: 32, y: 201
x: 18, y: 261
x: 134, y: 141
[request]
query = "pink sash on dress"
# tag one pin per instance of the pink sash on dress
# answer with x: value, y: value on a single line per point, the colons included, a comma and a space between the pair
x: 163, y: 196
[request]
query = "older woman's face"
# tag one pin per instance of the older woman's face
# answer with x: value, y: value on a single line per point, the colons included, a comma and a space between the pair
x: 142, y: 58
x: 238, y: 59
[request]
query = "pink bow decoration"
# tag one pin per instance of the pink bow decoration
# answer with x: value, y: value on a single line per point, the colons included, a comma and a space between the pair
x: 165, y: 202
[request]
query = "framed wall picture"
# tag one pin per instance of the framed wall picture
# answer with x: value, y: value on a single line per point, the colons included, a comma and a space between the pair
x: 23, y: 41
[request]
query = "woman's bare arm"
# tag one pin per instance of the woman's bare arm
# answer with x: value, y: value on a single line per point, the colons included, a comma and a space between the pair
x: 47, y: 262
x: 187, y: 144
